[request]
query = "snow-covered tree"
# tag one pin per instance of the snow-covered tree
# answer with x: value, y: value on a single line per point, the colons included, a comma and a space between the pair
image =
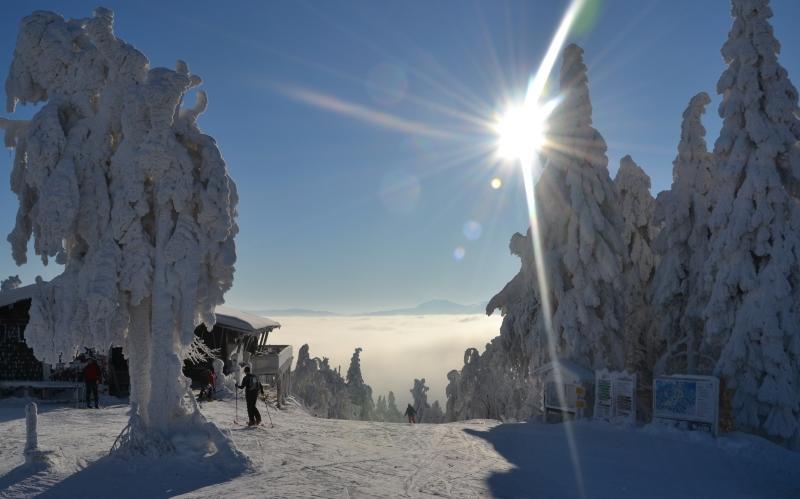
x: 679, y: 291
x: 419, y: 393
x: 360, y: 393
x: 393, y: 414
x: 636, y: 205
x: 434, y: 415
x: 13, y: 282
x: 754, y: 258
x: 381, y: 409
x: 354, y: 377
x: 580, y: 229
x: 326, y: 394
x: 584, y: 255
x: 116, y: 181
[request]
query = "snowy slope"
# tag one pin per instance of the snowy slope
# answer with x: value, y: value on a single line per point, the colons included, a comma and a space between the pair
x: 304, y: 456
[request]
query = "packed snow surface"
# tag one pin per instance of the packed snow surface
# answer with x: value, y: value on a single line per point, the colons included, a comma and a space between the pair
x: 303, y: 456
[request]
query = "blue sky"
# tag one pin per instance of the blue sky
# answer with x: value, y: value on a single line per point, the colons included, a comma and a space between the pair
x: 341, y: 211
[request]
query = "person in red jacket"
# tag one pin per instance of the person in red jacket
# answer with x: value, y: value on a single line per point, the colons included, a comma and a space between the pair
x: 91, y: 376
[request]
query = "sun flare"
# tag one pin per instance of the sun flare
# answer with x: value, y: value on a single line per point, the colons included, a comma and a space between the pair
x: 520, y: 132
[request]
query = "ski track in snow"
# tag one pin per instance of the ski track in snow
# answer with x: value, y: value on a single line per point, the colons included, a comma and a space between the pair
x: 304, y: 456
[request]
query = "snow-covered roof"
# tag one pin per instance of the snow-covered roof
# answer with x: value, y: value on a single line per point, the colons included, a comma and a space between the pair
x: 226, y: 316
x: 567, y: 366
x: 242, y: 321
x: 12, y: 296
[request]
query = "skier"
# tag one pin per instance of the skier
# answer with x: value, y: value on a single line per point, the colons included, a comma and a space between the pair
x: 252, y: 387
x: 412, y: 414
x: 91, y: 375
x: 207, y: 391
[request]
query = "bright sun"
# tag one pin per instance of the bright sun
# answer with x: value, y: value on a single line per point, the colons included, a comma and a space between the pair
x: 521, y: 132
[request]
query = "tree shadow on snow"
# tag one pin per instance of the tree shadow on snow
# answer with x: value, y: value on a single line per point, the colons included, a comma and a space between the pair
x: 19, y: 475
x: 616, y: 462
x: 159, y: 477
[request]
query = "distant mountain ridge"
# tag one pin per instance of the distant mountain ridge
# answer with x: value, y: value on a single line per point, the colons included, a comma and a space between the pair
x: 297, y: 312
x: 432, y: 307
x: 435, y: 307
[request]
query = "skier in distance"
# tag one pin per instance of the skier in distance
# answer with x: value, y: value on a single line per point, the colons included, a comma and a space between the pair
x: 412, y: 414
x: 252, y: 387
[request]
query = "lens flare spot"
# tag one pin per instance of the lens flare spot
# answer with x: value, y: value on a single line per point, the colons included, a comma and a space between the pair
x: 472, y: 230
x: 459, y: 253
x: 496, y: 183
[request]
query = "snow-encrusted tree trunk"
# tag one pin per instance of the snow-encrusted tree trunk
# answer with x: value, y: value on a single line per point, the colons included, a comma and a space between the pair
x: 679, y: 291
x: 754, y: 259
x: 637, y: 205
x: 117, y: 183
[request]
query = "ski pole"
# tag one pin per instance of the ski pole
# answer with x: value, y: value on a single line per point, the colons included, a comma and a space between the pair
x: 268, y: 415
x: 236, y: 398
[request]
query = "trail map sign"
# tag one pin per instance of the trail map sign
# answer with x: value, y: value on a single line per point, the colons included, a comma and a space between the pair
x: 615, y: 396
x: 687, y: 401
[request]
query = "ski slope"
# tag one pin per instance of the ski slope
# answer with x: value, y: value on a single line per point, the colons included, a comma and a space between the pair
x: 303, y: 456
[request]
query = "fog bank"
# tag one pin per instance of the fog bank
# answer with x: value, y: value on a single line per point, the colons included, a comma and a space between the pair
x: 397, y: 349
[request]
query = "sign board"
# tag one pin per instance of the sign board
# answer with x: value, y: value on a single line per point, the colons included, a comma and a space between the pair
x: 553, y: 396
x: 687, y: 401
x: 615, y: 396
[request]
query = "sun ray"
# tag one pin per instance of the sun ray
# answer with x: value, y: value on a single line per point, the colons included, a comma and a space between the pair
x: 530, y: 162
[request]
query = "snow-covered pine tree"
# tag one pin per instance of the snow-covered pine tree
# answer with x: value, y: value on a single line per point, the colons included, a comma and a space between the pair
x: 360, y: 393
x: 754, y: 259
x: 636, y: 205
x: 116, y: 181
x: 580, y: 229
x: 419, y: 393
x: 393, y: 414
x: 434, y: 415
x: 380, y: 409
x: 584, y: 256
x: 679, y: 291
x: 455, y: 399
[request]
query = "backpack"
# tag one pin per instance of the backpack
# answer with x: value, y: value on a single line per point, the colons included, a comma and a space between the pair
x: 253, y: 384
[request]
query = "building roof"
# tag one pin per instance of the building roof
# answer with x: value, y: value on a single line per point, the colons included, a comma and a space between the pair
x: 567, y: 366
x: 226, y: 316
x: 242, y: 321
x: 12, y: 296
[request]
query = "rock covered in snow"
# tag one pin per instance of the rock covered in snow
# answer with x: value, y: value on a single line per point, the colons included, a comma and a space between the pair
x: 752, y: 316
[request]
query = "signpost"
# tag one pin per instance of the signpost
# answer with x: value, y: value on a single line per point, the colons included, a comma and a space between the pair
x: 615, y: 396
x: 687, y: 401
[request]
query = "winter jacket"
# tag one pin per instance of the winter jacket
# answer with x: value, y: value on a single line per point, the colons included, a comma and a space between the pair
x: 91, y: 373
x: 246, y: 384
x: 410, y: 411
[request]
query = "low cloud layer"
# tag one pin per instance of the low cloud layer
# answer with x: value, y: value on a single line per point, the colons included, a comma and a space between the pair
x: 397, y: 349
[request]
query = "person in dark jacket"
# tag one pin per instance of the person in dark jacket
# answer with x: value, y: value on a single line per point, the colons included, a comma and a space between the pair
x: 412, y: 414
x: 91, y: 375
x: 252, y: 387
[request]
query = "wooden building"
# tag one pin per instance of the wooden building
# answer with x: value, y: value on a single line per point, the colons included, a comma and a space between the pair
x: 236, y: 336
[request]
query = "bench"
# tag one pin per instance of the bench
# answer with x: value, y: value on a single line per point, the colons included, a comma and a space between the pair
x: 44, y: 390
